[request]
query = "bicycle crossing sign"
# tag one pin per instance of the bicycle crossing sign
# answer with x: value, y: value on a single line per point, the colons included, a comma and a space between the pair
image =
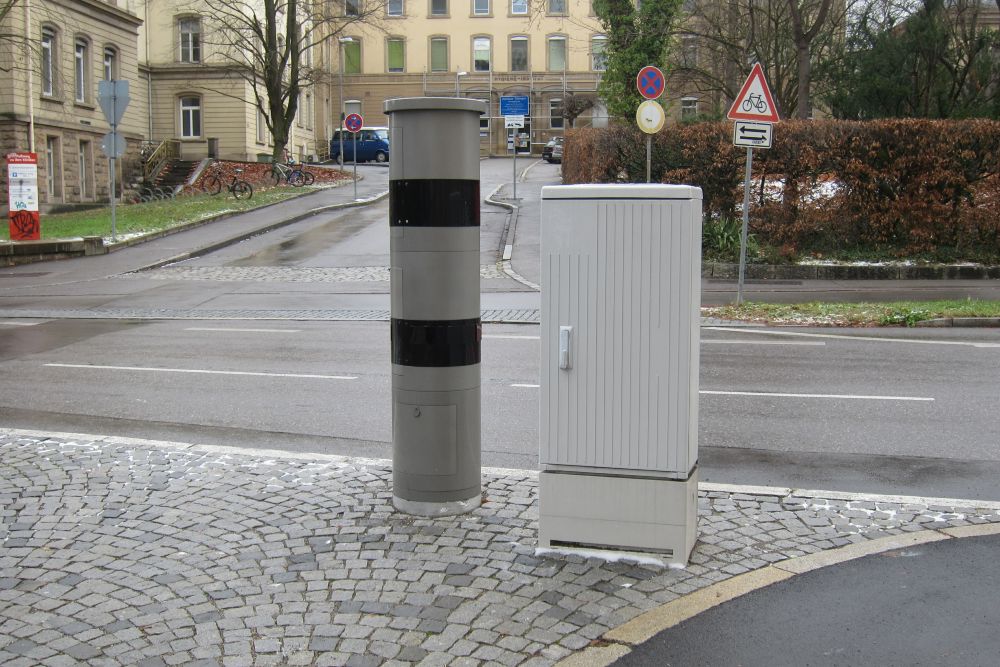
x: 754, y: 101
x: 650, y: 82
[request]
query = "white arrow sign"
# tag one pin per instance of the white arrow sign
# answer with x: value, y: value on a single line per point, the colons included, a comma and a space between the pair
x: 515, y: 122
x: 752, y: 134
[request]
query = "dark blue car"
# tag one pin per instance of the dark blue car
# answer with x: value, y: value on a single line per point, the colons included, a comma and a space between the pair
x: 372, y: 143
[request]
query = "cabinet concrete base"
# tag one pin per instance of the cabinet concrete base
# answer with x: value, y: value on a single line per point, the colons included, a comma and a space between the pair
x: 602, y: 510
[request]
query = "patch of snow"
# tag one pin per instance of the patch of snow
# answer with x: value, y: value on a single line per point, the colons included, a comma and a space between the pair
x: 607, y: 556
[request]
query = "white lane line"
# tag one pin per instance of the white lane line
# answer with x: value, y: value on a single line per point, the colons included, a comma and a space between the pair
x: 837, y: 396
x: 19, y: 324
x: 199, y: 371
x: 512, y: 337
x: 712, y: 392
x: 244, y: 330
x: 771, y: 332
x: 763, y: 342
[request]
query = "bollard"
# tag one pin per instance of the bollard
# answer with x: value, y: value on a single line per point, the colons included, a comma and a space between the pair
x: 436, y: 329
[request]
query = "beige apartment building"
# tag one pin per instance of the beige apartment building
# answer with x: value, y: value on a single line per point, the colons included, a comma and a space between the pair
x: 549, y: 50
x: 58, y: 51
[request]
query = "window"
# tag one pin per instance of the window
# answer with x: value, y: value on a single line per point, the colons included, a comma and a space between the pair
x: 190, y: 32
x: 598, y: 57
x: 48, y: 62
x: 481, y: 54
x: 689, y: 51
x: 86, y: 171
x: 352, y: 106
x: 556, y: 114
x: 352, y: 7
x: 352, y: 56
x: 395, y: 60
x: 439, y: 7
x: 439, y: 54
x: 261, y: 127
x: 300, y: 110
x: 518, y: 54
x: 190, y: 117
x: 309, y: 111
x: 689, y: 108
x: 53, y: 179
x: 518, y: 6
x: 394, y: 8
x: 557, y: 6
x: 80, y: 69
x: 481, y: 7
x: 557, y: 54
x: 110, y: 64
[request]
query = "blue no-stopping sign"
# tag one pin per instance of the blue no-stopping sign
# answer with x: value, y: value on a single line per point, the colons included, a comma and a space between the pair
x: 650, y: 82
x: 353, y: 122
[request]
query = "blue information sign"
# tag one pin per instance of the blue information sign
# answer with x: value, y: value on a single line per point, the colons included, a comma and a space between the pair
x: 514, y: 105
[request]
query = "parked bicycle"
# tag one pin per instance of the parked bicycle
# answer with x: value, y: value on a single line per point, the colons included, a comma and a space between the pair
x: 237, y: 186
x: 291, y: 174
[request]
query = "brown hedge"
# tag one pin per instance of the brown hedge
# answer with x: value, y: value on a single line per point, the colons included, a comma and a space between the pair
x: 893, y: 186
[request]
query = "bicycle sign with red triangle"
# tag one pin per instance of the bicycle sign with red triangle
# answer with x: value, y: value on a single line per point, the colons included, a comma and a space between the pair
x: 754, y: 101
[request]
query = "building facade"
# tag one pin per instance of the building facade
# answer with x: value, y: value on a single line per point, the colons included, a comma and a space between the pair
x: 59, y: 50
x: 549, y: 50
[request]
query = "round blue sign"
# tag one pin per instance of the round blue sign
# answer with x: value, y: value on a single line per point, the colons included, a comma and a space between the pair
x: 650, y: 82
x: 353, y: 122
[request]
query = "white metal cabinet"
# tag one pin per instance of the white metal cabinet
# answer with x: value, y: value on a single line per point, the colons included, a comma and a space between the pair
x: 621, y: 292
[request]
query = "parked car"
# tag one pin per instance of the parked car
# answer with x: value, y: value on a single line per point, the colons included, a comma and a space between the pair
x: 553, y: 150
x: 372, y: 143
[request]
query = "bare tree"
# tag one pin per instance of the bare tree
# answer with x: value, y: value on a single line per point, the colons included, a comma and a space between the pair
x: 732, y: 35
x: 9, y: 35
x: 273, y: 45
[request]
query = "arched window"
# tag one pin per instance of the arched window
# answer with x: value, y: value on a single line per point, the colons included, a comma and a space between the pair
x: 81, y: 69
x: 519, y: 53
x: 557, y: 53
x: 110, y: 63
x: 189, y: 29
x: 190, y: 117
x: 49, y: 51
x: 481, y: 54
x: 598, y: 56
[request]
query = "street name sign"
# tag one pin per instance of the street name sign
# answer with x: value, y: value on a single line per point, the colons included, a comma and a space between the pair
x: 752, y: 134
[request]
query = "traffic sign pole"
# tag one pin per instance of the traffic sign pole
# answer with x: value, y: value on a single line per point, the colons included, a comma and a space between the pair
x: 746, y: 224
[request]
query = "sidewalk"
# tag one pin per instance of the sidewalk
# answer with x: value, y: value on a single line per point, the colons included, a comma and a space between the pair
x: 142, y: 553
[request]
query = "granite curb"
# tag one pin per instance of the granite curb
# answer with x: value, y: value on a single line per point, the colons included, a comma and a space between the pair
x: 126, y: 551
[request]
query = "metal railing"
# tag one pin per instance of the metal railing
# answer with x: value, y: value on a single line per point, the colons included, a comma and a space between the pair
x: 155, y: 156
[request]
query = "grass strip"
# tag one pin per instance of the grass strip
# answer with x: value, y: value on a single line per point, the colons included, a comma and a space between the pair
x: 134, y: 219
x: 901, y: 313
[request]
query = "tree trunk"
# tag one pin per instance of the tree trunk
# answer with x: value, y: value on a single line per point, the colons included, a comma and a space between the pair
x: 803, y: 104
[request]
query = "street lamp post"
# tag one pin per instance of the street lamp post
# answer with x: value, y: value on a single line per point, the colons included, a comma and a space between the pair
x: 457, y: 79
x: 340, y: 127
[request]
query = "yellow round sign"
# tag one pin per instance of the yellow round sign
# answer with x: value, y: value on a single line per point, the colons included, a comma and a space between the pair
x: 650, y: 117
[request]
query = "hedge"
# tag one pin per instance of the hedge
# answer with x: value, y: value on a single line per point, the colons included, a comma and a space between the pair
x: 888, y: 187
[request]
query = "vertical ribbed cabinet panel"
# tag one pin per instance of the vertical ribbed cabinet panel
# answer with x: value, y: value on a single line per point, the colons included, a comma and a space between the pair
x: 621, y: 266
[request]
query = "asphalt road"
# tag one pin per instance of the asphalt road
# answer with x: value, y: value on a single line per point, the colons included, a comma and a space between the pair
x: 889, y: 410
x: 900, y: 607
x: 902, y: 412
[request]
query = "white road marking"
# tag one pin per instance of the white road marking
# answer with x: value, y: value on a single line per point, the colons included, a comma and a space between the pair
x: 837, y: 396
x: 763, y: 342
x: 199, y: 371
x: 244, y: 330
x: 19, y: 324
x: 512, y: 337
x: 712, y: 392
x: 771, y: 332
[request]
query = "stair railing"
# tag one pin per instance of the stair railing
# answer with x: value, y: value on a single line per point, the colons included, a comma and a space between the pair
x: 168, y: 149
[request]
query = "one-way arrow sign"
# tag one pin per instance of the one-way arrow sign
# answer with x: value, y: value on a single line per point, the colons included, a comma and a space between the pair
x: 752, y: 134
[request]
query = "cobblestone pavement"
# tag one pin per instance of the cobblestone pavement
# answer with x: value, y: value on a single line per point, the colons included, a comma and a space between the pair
x: 118, y: 552
x: 286, y: 274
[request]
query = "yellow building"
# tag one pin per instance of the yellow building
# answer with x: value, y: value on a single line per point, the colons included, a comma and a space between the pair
x: 58, y: 51
x: 483, y: 49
